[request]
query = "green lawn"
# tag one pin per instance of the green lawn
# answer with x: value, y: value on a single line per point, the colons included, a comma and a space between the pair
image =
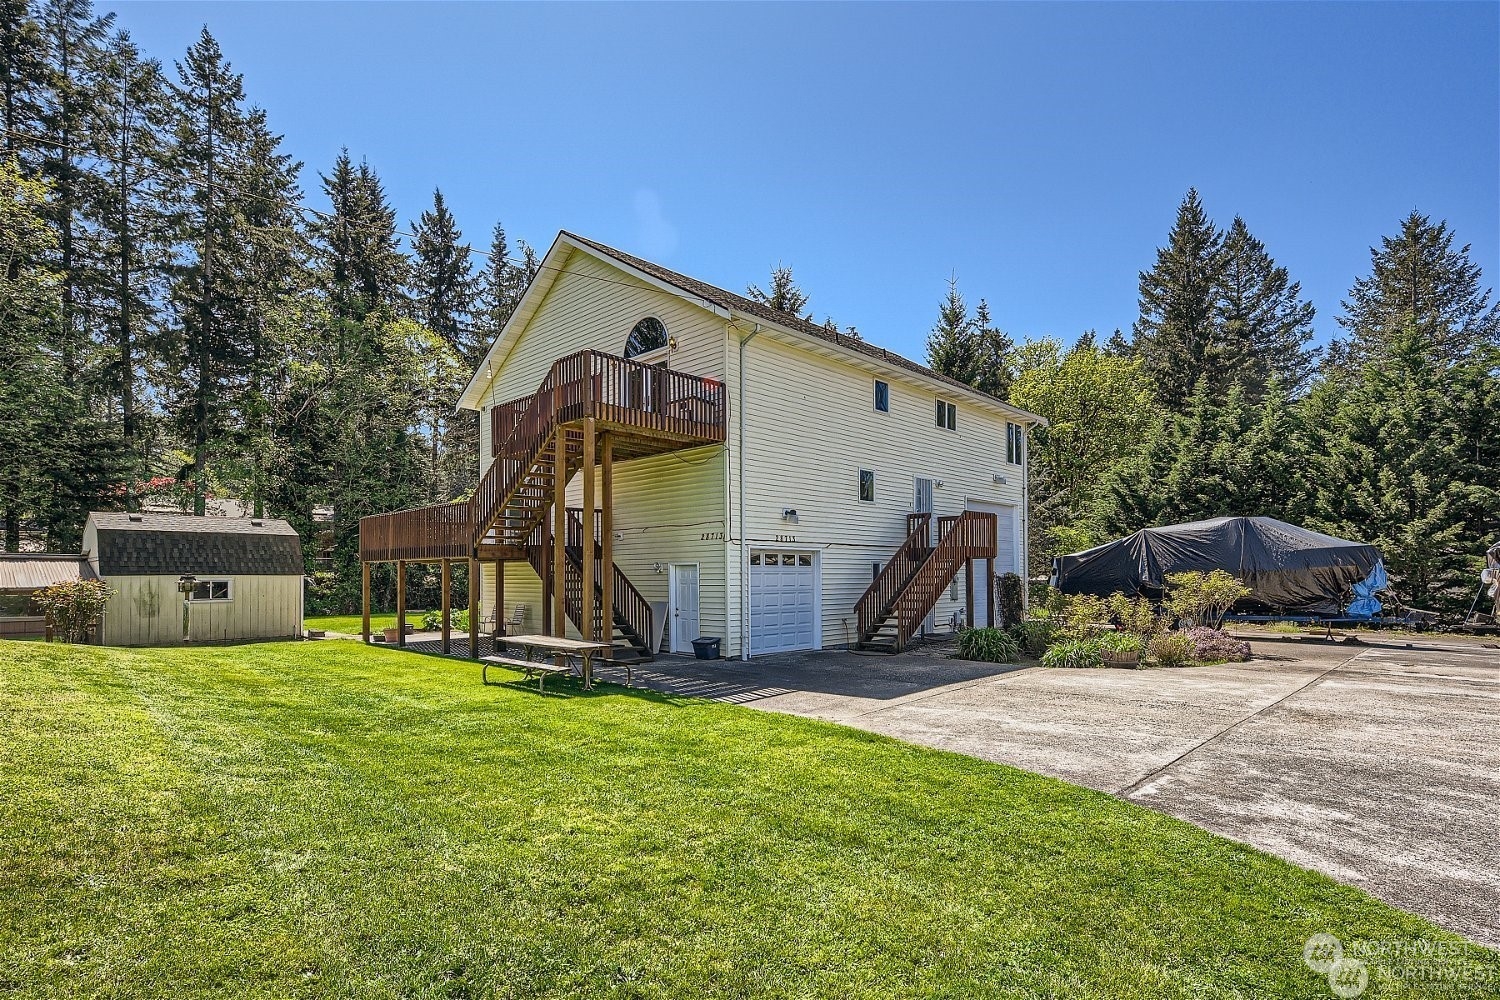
x: 327, y: 819
x: 351, y: 624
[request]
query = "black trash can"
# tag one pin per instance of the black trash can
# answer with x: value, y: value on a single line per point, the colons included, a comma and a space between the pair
x: 706, y: 648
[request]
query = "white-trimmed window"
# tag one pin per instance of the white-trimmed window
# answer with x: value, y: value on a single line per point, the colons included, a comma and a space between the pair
x: 947, y: 415
x: 882, y: 396
x: 1015, y: 444
x: 646, y: 338
x: 212, y: 590
x: 866, y: 486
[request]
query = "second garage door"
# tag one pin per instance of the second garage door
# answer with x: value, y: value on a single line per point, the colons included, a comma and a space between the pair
x: 783, y: 602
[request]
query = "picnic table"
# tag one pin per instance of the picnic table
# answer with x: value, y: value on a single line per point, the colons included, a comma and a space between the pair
x: 558, y: 647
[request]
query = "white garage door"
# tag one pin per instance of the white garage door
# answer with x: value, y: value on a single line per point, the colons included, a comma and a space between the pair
x: 783, y: 602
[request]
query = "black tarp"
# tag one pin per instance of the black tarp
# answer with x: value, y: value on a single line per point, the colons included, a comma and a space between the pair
x: 1287, y: 568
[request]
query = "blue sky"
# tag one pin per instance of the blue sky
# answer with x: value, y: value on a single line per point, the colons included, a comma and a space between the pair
x: 1038, y: 152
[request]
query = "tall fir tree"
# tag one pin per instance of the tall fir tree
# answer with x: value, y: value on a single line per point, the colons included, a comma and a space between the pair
x: 1263, y: 322
x: 1175, y: 336
x: 23, y: 79
x: 444, y: 291
x: 951, y: 350
x: 782, y: 293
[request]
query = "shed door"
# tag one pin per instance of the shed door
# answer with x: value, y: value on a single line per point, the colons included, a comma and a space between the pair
x: 783, y: 602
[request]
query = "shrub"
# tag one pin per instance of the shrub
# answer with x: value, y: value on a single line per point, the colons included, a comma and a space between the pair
x: 1211, y: 645
x: 991, y: 645
x: 1172, y: 649
x: 432, y: 621
x: 1011, y: 597
x: 1203, y: 598
x: 1122, y: 642
x: 73, y: 608
x: 1078, y: 616
x: 1073, y: 653
x: 1034, y: 634
x: 1136, y: 614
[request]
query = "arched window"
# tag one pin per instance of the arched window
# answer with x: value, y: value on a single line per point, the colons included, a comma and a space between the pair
x: 650, y: 334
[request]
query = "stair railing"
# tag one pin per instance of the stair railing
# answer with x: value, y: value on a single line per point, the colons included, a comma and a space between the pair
x: 874, y: 604
x: 970, y: 535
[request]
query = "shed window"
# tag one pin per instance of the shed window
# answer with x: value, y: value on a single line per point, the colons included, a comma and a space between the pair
x: 882, y: 397
x: 650, y: 334
x: 947, y: 415
x: 1015, y: 444
x: 211, y: 590
x: 867, y: 485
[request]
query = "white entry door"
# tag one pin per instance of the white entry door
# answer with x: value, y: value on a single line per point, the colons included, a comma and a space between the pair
x: 921, y: 503
x: 1005, y: 553
x: 783, y: 602
x: 684, y: 606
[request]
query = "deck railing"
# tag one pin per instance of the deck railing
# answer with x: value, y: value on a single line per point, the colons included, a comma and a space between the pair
x: 970, y: 535
x: 620, y: 394
x: 873, y: 606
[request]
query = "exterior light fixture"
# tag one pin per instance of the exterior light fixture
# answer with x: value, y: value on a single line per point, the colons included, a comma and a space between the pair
x: 789, y: 514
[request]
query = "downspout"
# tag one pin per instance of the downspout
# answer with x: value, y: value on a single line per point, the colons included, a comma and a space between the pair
x: 744, y: 536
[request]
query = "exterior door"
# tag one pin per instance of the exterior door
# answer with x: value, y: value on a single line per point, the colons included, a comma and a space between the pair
x: 684, y: 606
x: 1005, y: 554
x: 783, y: 602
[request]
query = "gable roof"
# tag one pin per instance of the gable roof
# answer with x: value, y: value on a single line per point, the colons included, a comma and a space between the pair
x: 174, y: 544
x: 28, y: 571
x: 717, y: 300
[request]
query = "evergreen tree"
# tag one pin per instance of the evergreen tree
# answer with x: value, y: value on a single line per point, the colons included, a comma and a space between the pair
x: 230, y: 189
x: 782, y: 294
x: 444, y: 288
x: 444, y: 291
x: 501, y: 285
x: 951, y: 350
x: 1419, y: 283
x: 132, y: 236
x: 1175, y: 336
x: 1264, y: 324
x: 72, y: 38
x: 361, y: 267
x: 993, y: 365
x: 23, y: 76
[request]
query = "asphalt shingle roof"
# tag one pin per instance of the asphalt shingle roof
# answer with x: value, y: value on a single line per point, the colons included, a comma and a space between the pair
x: 729, y: 300
x: 174, y: 544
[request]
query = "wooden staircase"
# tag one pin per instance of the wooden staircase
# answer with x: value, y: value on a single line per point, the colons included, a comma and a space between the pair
x: 630, y: 634
x: 892, y: 608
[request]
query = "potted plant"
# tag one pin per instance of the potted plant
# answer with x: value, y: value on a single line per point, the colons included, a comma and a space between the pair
x: 1121, y: 649
x: 392, y: 634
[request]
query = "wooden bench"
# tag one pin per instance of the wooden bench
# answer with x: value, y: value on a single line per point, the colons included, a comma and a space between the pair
x: 531, y: 668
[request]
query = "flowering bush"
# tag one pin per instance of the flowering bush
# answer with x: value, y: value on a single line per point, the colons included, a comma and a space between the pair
x: 1073, y: 653
x: 1171, y: 650
x: 73, y: 608
x: 1212, y: 645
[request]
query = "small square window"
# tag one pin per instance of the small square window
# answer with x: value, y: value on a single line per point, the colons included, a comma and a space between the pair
x: 755, y: 559
x: 804, y: 560
x: 882, y: 397
x: 211, y: 590
x: 867, y: 485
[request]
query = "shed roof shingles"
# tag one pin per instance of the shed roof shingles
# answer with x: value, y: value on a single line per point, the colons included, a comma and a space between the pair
x: 166, y: 544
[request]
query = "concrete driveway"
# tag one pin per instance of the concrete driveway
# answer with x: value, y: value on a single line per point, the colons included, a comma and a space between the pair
x: 1377, y: 766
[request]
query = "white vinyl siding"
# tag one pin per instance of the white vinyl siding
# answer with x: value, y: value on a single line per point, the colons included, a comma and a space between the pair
x: 809, y: 430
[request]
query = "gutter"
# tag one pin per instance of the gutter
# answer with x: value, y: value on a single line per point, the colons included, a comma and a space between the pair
x: 739, y: 452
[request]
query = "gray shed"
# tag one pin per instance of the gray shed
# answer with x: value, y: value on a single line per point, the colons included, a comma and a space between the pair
x: 248, y: 574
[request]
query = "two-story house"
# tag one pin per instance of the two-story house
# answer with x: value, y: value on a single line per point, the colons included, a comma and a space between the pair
x: 743, y: 473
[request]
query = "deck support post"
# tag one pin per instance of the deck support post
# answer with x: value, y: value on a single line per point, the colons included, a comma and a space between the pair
x: 401, y: 602
x: 447, y: 605
x: 587, y: 604
x: 545, y: 574
x: 989, y: 589
x: 364, y: 573
x: 969, y: 596
x: 474, y: 584
x: 607, y: 542
x: 499, y: 598
x: 559, y: 534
